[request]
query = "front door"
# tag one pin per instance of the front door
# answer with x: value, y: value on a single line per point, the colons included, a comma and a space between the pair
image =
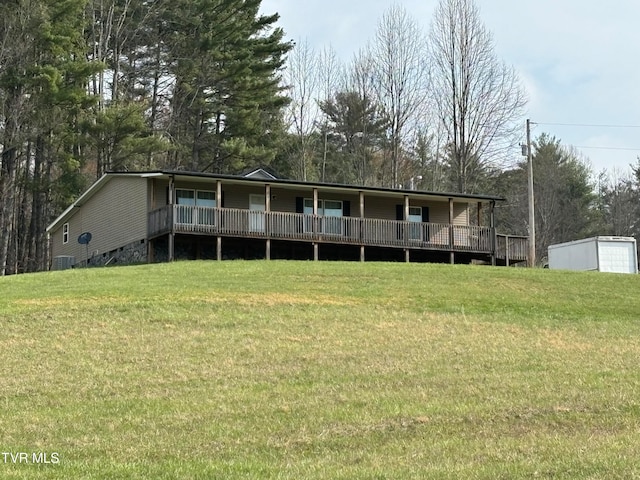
x: 415, y: 227
x: 256, y: 214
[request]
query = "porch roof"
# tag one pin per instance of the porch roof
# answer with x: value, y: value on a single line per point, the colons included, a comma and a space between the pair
x: 296, y: 184
x: 283, y: 183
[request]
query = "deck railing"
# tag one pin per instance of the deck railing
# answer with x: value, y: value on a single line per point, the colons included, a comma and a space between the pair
x: 512, y: 248
x: 317, y: 228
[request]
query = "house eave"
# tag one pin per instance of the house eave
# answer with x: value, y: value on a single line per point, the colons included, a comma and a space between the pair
x: 284, y: 183
x: 383, y: 191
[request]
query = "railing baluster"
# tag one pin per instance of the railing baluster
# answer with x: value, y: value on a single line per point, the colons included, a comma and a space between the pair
x: 348, y: 230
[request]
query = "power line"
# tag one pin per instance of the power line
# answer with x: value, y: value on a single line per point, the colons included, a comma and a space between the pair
x: 590, y: 125
x: 608, y: 148
x: 593, y: 125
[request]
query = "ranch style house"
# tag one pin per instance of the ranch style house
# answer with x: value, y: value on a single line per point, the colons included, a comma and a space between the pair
x: 159, y: 216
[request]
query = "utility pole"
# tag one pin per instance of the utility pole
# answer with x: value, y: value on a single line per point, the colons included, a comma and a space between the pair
x: 532, y: 214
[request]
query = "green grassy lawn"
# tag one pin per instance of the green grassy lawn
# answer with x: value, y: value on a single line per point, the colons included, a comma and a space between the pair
x: 294, y: 370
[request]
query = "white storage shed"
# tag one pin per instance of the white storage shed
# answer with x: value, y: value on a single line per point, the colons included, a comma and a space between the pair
x: 603, y: 254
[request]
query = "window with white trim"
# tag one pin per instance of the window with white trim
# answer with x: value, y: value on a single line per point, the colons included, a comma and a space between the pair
x: 196, y: 198
x: 65, y: 233
x: 207, y: 199
x: 331, y: 212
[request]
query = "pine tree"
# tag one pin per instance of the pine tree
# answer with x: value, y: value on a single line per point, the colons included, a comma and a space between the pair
x: 226, y: 103
x: 43, y: 79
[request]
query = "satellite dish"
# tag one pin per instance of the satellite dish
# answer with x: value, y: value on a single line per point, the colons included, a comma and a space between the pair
x: 84, y: 238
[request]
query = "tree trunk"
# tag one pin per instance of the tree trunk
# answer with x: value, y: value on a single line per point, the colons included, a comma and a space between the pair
x: 7, y: 191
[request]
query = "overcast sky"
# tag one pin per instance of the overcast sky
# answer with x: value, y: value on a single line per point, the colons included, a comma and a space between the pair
x: 577, y: 59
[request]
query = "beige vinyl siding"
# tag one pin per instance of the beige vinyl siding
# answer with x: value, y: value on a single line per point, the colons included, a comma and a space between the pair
x: 237, y: 196
x: 115, y: 216
x: 385, y: 208
x: 461, y: 214
x: 439, y: 213
x: 379, y: 207
x: 284, y: 200
x: 160, y: 193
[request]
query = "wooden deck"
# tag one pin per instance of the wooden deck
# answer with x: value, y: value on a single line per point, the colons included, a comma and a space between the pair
x: 230, y: 222
x: 512, y: 248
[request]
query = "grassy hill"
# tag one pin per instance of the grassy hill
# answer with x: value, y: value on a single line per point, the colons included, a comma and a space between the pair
x: 292, y: 370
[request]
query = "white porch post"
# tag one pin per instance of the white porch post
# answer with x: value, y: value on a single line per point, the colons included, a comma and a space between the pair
x: 407, y: 253
x: 267, y: 209
x: 452, y: 258
x: 361, y: 225
x: 172, y: 234
x: 494, y: 241
x: 218, y: 215
x: 315, y: 223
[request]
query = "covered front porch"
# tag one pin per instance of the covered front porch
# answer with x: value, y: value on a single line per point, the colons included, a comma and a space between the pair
x: 326, y: 218
x: 172, y: 220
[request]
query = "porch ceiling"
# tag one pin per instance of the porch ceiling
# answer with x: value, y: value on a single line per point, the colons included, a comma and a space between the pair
x: 326, y: 187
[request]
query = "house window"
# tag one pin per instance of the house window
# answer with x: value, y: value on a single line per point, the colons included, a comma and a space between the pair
x: 196, y: 198
x: 207, y: 199
x: 185, y: 197
x: 331, y: 211
x: 65, y: 233
x: 308, y: 206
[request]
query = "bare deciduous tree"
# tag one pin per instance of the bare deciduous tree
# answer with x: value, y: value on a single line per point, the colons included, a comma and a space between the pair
x: 302, y: 79
x: 362, y: 81
x: 400, y: 63
x: 478, y: 99
x: 329, y: 72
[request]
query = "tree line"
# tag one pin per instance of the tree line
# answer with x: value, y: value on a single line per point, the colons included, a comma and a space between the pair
x: 89, y: 86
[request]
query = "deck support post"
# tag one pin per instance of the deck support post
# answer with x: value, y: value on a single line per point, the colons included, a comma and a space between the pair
x: 405, y: 217
x: 451, y: 233
x: 494, y: 240
x: 218, y: 206
x: 172, y: 235
x: 506, y: 250
x: 267, y: 229
x: 315, y: 223
x: 361, y: 220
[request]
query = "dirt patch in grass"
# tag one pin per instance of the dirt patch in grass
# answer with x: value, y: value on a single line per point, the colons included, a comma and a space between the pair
x: 273, y: 299
x: 564, y: 341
